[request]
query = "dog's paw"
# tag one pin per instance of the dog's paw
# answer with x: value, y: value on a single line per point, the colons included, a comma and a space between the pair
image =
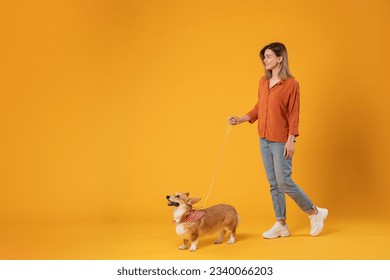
x: 182, y: 247
x: 193, y: 248
x: 218, y: 241
x: 231, y: 240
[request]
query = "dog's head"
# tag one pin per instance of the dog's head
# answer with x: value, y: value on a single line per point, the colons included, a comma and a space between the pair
x: 179, y: 199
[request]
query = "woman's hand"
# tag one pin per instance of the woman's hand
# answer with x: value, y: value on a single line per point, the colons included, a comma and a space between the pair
x: 234, y: 120
x: 289, y: 147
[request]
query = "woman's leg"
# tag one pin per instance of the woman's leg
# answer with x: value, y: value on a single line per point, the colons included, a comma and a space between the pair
x: 283, y: 171
x: 277, y: 195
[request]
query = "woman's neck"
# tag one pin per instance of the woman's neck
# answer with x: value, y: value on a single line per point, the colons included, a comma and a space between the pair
x: 275, y: 74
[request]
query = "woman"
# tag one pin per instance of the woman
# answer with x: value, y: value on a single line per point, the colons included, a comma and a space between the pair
x: 277, y: 112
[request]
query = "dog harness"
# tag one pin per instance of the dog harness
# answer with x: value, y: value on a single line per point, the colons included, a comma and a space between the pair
x: 193, y: 216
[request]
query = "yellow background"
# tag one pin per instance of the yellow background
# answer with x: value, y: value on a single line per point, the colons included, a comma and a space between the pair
x: 108, y: 106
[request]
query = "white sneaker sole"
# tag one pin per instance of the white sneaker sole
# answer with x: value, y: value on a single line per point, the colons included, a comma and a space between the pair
x: 276, y: 236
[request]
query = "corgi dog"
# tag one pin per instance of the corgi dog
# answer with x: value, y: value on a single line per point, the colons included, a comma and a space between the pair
x: 191, y: 224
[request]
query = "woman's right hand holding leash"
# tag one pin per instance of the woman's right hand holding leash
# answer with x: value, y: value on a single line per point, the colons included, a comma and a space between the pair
x: 234, y: 120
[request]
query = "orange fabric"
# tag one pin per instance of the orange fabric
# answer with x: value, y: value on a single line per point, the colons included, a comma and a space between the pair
x: 277, y: 110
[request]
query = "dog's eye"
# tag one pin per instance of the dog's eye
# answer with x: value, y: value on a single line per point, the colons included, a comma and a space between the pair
x: 177, y: 196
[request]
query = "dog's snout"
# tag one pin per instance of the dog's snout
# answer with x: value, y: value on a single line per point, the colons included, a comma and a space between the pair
x: 167, y: 196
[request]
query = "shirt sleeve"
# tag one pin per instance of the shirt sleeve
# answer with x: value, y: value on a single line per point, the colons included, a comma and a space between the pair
x: 253, y: 114
x: 293, y: 111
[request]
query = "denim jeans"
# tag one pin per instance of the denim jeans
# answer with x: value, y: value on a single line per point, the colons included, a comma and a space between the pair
x: 278, y: 171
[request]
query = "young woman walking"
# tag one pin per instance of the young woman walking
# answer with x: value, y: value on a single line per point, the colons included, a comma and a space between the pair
x: 277, y: 113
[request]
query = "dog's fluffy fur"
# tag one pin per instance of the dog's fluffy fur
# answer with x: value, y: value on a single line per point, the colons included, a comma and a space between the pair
x: 222, y: 218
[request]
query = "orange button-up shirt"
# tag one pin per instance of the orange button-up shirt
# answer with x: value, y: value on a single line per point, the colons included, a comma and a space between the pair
x: 277, y: 110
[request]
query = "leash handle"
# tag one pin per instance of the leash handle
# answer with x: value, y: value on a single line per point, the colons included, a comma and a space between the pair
x: 229, y: 126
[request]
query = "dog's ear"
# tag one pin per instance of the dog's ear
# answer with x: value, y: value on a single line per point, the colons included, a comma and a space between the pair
x: 187, y: 194
x: 193, y: 200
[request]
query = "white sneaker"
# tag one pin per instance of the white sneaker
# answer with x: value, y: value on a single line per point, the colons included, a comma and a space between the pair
x: 277, y: 230
x: 317, y: 221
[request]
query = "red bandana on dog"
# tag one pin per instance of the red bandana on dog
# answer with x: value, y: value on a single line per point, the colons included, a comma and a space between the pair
x: 193, y: 216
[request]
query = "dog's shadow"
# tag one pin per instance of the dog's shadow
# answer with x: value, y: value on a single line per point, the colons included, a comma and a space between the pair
x: 209, y: 240
x: 246, y: 235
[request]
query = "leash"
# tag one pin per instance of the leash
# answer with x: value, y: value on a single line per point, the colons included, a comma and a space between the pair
x: 229, y: 126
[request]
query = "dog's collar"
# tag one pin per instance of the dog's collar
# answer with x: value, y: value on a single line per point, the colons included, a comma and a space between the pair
x: 193, y: 216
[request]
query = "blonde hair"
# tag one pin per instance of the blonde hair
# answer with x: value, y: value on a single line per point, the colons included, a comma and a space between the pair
x: 280, y: 51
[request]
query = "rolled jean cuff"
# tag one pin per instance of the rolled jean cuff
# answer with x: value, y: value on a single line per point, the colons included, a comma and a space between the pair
x: 311, y: 209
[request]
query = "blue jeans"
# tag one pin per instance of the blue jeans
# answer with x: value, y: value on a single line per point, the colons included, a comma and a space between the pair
x: 278, y: 171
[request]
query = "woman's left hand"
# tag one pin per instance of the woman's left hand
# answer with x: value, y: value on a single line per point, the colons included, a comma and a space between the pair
x: 289, y: 148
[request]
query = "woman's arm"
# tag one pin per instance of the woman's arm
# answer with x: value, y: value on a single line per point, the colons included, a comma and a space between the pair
x: 234, y: 120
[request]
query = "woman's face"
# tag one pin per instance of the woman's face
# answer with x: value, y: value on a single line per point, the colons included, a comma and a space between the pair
x: 271, y: 61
